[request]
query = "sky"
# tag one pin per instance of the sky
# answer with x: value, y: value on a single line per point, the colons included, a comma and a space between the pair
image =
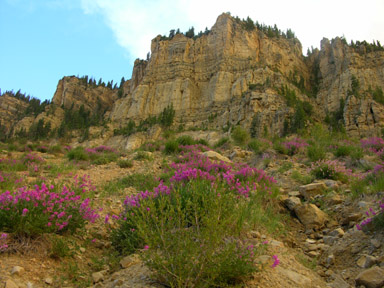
x: 42, y: 41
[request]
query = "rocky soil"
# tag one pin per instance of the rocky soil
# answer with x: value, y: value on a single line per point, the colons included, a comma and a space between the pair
x: 320, y: 248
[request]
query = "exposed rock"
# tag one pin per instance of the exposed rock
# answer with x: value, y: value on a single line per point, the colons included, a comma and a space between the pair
x: 17, y: 270
x: 48, y: 281
x: 311, y: 190
x: 212, y: 155
x: 311, y: 216
x: 98, y: 276
x: 129, y: 261
x: 10, y: 284
x: 337, y: 232
x: 292, y: 202
x: 297, y: 278
x: 329, y: 240
x: 366, y: 261
x: 371, y: 278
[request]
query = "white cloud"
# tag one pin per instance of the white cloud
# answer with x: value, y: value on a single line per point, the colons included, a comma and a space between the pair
x: 136, y: 22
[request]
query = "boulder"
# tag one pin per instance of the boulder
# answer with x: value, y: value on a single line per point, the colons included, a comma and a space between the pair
x: 311, y: 216
x: 309, y: 191
x: 214, y: 156
x: 371, y: 278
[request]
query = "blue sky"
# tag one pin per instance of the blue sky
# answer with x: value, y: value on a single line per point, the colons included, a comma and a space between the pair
x: 44, y: 40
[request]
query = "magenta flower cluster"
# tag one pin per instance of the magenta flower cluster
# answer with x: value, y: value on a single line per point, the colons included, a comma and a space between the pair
x: 295, y: 145
x: 333, y: 169
x: 45, y: 210
x: 374, y: 145
x: 193, y: 165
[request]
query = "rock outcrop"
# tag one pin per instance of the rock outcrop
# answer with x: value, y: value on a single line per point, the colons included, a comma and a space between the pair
x: 72, y: 92
x: 11, y: 111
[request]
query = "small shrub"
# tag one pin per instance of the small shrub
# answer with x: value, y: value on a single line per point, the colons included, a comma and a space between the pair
x: 171, y: 146
x: 315, y: 153
x: 142, y: 155
x: 59, y: 248
x: 185, y: 140
x: 221, y: 142
x: 78, y: 154
x: 240, y: 135
x: 203, y: 142
x: 302, y: 179
x: 343, y: 151
x: 334, y: 170
x: 295, y: 145
x: 139, y: 181
x: 56, y: 149
x: 124, y: 163
x: 255, y: 146
x: 43, y: 210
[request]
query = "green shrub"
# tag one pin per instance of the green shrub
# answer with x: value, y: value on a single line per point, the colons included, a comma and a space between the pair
x: 254, y: 145
x: 221, y: 142
x: 240, y: 135
x: 78, y: 154
x: 142, y: 155
x: 178, y: 226
x: 185, y: 140
x: 315, y: 153
x: 203, y: 142
x: 343, y: 151
x: 139, y: 181
x: 55, y: 149
x: 124, y: 163
x: 171, y: 146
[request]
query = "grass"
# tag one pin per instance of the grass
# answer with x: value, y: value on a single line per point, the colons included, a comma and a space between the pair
x: 310, y: 263
x: 285, y: 167
x: 302, y: 179
x: 139, y: 181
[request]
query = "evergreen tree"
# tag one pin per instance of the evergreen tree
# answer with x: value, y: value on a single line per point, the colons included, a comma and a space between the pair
x: 190, y: 33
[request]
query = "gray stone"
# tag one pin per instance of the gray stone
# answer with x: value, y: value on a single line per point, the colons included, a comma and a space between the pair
x: 366, y: 261
x: 329, y: 240
x: 292, y: 202
x: 338, y: 282
x: 330, y: 260
x: 375, y: 243
x: 371, y: 278
x: 337, y: 233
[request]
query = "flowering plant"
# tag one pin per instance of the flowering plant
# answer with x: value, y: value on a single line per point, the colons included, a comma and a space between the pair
x: 40, y: 210
x: 295, y: 145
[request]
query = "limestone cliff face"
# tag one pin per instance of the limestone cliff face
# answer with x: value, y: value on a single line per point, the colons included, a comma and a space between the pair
x: 208, y: 80
x: 211, y: 75
x: 338, y: 64
x: 72, y: 91
x: 10, y: 110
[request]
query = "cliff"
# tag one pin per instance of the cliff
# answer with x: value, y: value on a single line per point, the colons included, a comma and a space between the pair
x: 235, y: 75
x: 232, y: 76
x: 211, y: 75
